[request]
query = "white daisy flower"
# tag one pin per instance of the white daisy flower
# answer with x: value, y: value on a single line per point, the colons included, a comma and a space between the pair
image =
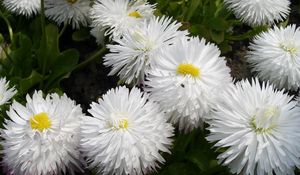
x: 23, y: 7
x: 259, y: 129
x: 74, y: 12
x: 42, y: 137
x: 259, y: 12
x: 118, y: 16
x: 126, y: 133
x: 6, y: 93
x: 133, y: 54
x: 275, y: 56
x: 186, y: 80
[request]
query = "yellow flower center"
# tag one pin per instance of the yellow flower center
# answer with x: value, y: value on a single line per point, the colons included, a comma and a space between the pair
x: 288, y: 48
x: 188, y: 69
x: 123, y: 123
x: 120, y: 124
x: 135, y: 14
x: 265, y: 120
x: 72, y: 1
x: 40, y: 121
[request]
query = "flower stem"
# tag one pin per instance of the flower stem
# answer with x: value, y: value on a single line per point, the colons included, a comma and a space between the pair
x: 43, y: 23
x: 63, y: 29
x: 10, y: 31
x: 95, y: 56
x: 44, y: 39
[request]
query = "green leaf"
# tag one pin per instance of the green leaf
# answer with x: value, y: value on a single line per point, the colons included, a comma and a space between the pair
x: 218, y: 24
x: 36, y: 31
x: 63, y: 66
x: 225, y: 47
x: 217, y: 36
x: 192, y: 8
x: 49, y: 48
x: 33, y: 79
x: 21, y: 55
x: 200, y: 30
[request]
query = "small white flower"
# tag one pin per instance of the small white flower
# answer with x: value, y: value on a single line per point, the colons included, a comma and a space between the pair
x: 74, y: 12
x: 126, y: 133
x: 42, y: 137
x: 117, y: 16
x: 275, y: 56
x: 259, y: 129
x: 133, y: 54
x: 186, y: 81
x: 23, y: 7
x: 259, y: 12
x: 6, y: 93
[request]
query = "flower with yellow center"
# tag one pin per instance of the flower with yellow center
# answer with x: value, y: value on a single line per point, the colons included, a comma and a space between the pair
x: 40, y: 121
x: 125, y: 134
x: 118, y: 16
x: 42, y: 137
x: 186, y: 79
x: 258, y: 128
x: 275, y: 56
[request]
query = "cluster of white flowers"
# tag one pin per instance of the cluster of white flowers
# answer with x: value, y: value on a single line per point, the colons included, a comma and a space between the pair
x: 186, y: 83
x: 74, y: 12
x: 180, y: 73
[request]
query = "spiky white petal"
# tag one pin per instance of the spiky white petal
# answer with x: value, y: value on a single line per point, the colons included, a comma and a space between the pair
x: 259, y: 12
x: 6, y: 93
x: 23, y: 7
x: 259, y: 129
x: 126, y: 133
x: 114, y: 15
x: 132, y: 57
x: 188, y: 98
x: 275, y: 56
x: 73, y: 12
x: 29, y: 147
x: 98, y: 33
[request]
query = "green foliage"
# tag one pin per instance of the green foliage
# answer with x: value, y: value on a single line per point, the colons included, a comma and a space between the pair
x: 192, y: 155
x: 34, y: 60
x: 207, y: 18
